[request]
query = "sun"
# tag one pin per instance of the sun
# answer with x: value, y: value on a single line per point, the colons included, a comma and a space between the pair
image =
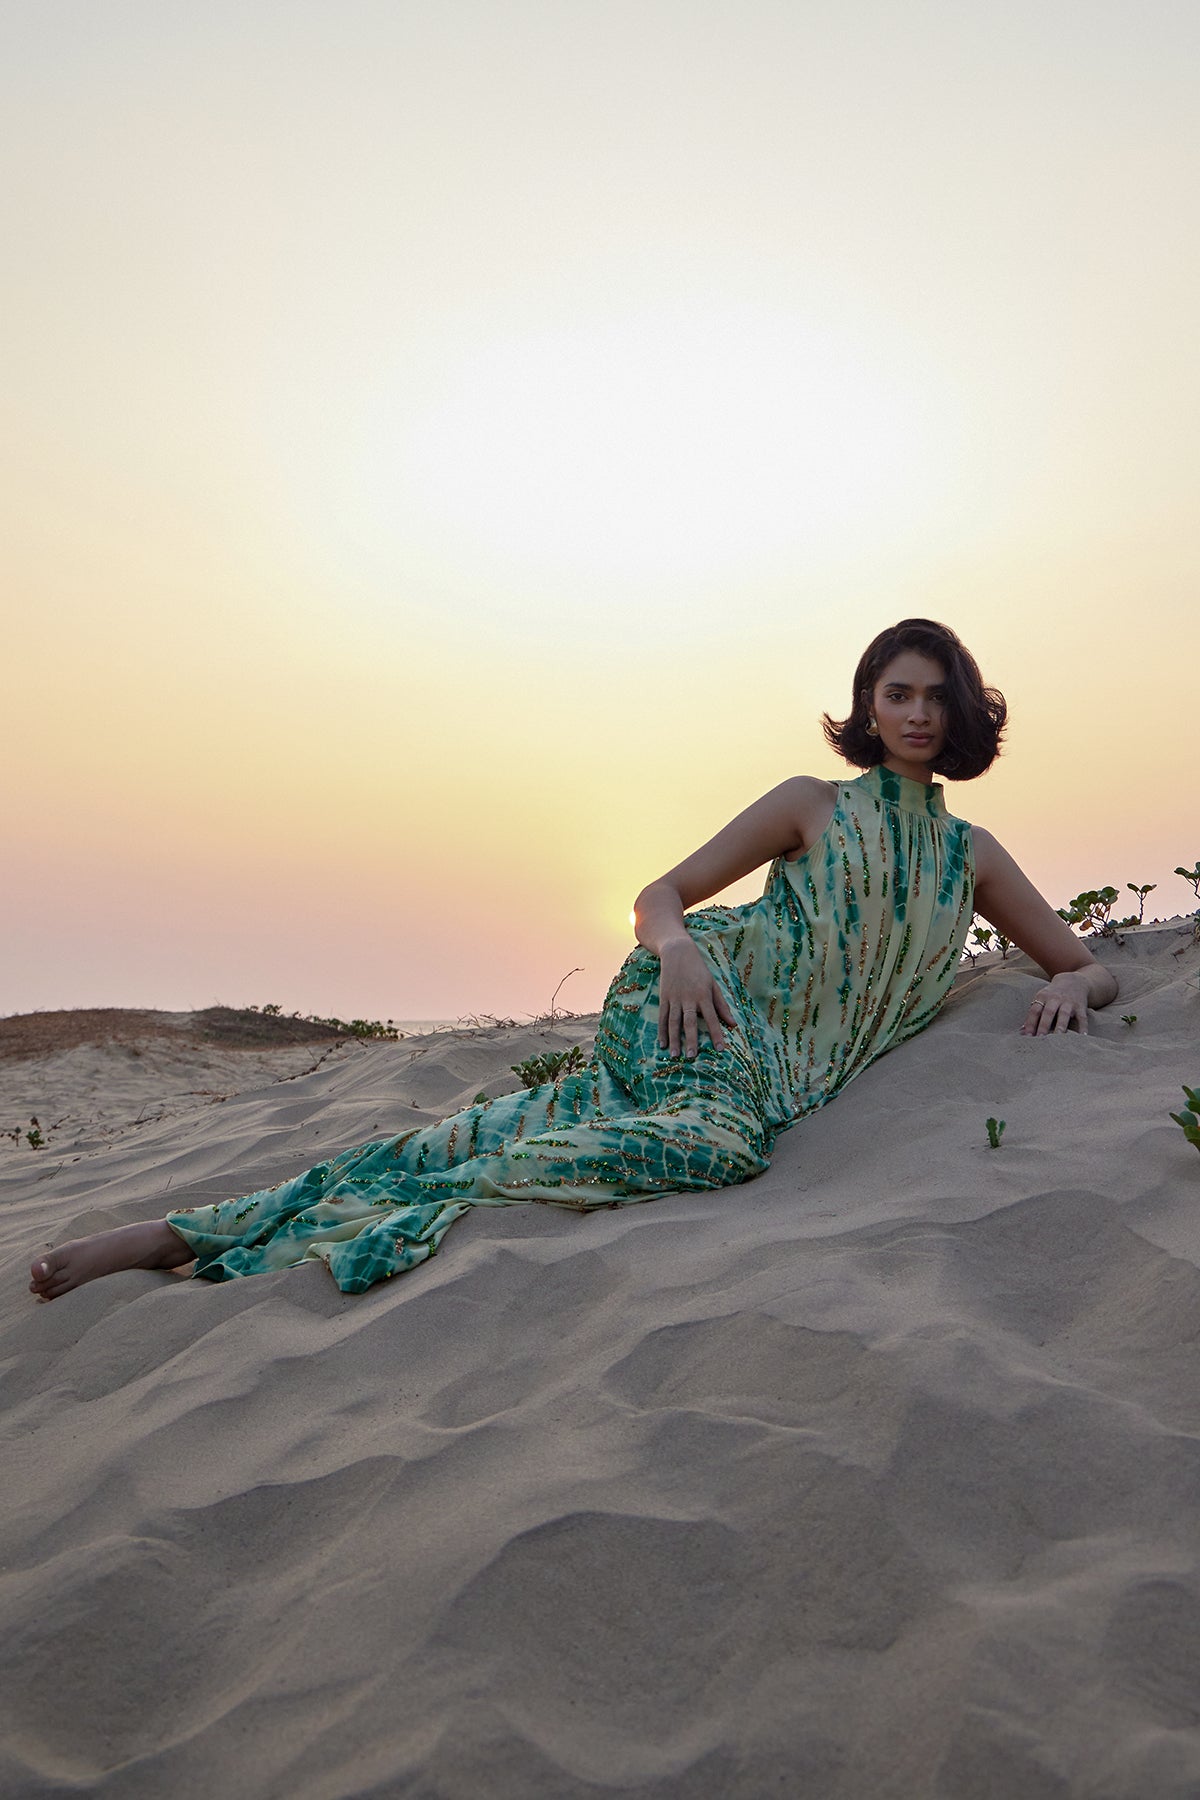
x: 656, y: 445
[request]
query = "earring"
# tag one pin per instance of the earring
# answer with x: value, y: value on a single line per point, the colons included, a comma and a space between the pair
x: 872, y: 729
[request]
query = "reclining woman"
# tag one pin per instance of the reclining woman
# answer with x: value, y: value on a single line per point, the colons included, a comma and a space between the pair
x: 725, y: 1025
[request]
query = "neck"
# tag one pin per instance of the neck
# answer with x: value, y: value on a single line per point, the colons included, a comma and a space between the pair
x: 912, y: 771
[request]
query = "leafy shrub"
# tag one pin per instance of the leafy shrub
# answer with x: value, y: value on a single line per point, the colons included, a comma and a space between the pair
x: 554, y: 1065
x: 1091, y: 910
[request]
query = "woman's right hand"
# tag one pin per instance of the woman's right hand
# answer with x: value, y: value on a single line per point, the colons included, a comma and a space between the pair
x: 688, y: 993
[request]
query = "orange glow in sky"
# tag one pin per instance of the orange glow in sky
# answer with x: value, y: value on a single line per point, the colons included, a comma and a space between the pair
x: 454, y: 455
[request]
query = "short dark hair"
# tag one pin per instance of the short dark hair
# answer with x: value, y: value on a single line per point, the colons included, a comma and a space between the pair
x: 975, y: 715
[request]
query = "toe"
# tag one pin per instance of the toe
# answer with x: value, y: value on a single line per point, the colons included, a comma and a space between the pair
x: 45, y: 1280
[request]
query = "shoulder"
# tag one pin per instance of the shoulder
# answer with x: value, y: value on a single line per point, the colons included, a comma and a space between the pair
x: 810, y: 793
x: 812, y: 802
x: 989, y: 852
x: 811, y: 788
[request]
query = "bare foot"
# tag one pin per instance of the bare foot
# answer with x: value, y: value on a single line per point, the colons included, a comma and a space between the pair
x: 151, y: 1244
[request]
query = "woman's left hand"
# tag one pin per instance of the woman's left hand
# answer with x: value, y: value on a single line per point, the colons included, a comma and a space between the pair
x: 1063, y: 999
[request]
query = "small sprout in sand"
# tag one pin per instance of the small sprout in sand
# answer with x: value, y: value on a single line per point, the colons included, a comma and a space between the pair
x: 36, y: 1140
x: 982, y: 939
x: 481, y: 1099
x: 1129, y: 1018
x: 1189, y: 1118
x: 1192, y: 875
x: 1141, y: 892
x: 553, y: 1066
x: 995, y: 1131
x: 979, y: 940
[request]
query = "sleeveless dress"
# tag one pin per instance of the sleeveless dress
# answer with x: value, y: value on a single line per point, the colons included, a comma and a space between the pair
x: 851, y: 949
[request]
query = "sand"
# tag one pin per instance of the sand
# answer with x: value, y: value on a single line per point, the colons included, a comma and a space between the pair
x: 876, y: 1477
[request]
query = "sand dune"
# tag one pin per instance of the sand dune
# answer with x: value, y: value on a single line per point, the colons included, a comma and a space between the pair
x: 878, y: 1476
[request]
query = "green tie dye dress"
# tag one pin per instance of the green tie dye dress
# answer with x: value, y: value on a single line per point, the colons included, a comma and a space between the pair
x: 851, y: 948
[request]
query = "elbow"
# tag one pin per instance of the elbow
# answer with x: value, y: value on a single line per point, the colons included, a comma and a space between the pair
x: 1108, y: 986
x: 643, y: 909
x: 642, y: 904
x: 1102, y: 983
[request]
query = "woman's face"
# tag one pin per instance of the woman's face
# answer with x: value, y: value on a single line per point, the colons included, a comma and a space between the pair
x: 909, y: 707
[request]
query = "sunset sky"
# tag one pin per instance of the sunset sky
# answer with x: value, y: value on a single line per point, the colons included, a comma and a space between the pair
x: 453, y: 453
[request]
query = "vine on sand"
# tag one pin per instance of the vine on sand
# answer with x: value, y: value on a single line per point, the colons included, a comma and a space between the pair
x: 1189, y: 1118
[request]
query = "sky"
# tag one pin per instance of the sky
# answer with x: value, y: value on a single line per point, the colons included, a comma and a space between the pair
x: 454, y: 452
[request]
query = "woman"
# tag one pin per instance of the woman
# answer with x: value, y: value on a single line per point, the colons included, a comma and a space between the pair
x: 723, y: 1027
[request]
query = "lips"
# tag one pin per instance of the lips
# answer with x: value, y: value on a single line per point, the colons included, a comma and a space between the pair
x: 918, y: 737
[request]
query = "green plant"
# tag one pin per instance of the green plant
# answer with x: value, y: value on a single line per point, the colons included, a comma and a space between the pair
x: 481, y: 1099
x: 978, y: 940
x: 360, y: 1028
x: 1189, y: 1118
x: 985, y: 939
x: 1091, y: 910
x: 1141, y: 892
x: 552, y: 1066
x: 995, y: 1131
x: 36, y: 1140
x: 1129, y: 1018
x: 1192, y: 875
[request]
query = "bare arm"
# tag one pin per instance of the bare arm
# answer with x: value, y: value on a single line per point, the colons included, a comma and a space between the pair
x: 1008, y: 900
x: 784, y: 821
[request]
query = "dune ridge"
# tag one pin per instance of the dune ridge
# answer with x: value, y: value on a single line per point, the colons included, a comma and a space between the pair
x: 878, y: 1475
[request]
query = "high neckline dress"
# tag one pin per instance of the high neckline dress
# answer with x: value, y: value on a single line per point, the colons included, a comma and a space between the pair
x: 851, y: 948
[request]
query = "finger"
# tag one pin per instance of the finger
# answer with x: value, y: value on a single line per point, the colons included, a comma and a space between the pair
x: 691, y: 1040
x: 1033, y: 1018
x: 713, y: 1025
x: 725, y: 1010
